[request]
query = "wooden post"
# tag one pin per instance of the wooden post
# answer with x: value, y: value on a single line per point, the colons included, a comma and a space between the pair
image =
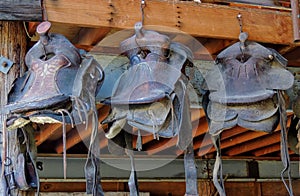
x: 13, y: 43
x: 12, y: 46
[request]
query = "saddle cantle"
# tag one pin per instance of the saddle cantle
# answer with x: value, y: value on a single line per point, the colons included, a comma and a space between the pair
x: 245, y: 88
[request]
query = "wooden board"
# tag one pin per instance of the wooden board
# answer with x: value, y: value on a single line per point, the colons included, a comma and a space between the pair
x: 24, y: 10
x: 203, y: 20
x: 84, y: 194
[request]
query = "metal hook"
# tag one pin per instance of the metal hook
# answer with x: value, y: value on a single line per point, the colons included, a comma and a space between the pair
x: 239, y: 17
x: 143, y: 5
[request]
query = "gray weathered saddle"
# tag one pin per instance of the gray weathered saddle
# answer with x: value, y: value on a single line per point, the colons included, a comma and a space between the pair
x: 245, y: 88
x: 151, y: 95
x: 59, y: 87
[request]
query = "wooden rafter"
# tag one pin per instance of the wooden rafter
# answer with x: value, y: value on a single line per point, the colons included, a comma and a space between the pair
x: 47, y: 132
x: 238, y: 139
x: 90, y: 36
x: 267, y: 150
x: 253, y: 144
x: 226, y: 135
x: 200, y: 129
x: 23, y: 10
x: 203, y: 20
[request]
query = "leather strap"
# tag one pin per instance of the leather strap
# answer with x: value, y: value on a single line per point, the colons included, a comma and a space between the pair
x: 217, y: 172
x: 92, y: 166
x: 132, y: 182
x: 190, y: 172
x: 283, y: 144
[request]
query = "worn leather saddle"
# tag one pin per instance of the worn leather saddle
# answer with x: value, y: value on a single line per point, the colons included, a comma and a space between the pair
x: 60, y: 79
x: 245, y: 88
x: 151, y: 94
x: 59, y: 87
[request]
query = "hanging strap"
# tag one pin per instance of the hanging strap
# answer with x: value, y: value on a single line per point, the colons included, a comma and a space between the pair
x: 132, y: 182
x: 217, y: 172
x: 190, y: 171
x: 283, y: 144
x: 92, y: 166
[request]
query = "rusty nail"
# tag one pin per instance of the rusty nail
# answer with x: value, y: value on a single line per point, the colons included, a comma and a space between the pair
x: 4, y: 64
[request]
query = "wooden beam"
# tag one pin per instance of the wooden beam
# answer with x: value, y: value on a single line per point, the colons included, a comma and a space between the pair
x: 177, y: 188
x: 233, y: 141
x: 200, y: 129
x: 254, y: 144
x: 24, y: 10
x: 267, y: 150
x: 202, y: 20
x: 214, y: 46
x: 226, y: 135
x: 12, y: 46
x: 47, y: 131
x: 91, y: 36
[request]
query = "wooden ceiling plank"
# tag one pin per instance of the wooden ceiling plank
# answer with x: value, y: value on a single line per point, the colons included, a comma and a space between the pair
x: 249, y: 135
x: 22, y: 10
x: 91, y: 36
x: 214, y: 46
x: 263, y: 25
x: 225, y: 135
x: 254, y: 144
x: 201, y: 128
x: 258, y: 143
x: 48, y: 131
x: 267, y: 150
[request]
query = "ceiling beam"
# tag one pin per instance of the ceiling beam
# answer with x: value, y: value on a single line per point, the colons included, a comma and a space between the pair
x: 233, y: 141
x: 201, y: 128
x: 267, y: 150
x: 202, y: 20
x: 91, y: 36
x: 225, y: 135
x: 47, y: 132
x: 24, y: 10
x: 254, y: 144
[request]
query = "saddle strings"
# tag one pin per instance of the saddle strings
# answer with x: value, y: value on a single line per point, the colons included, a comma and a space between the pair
x: 283, y: 144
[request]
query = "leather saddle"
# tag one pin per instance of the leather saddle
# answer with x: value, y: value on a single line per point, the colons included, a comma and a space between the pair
x: 245, y: 88
x: 59, y: 87
x: 151, y: 95
x: 60, y: 79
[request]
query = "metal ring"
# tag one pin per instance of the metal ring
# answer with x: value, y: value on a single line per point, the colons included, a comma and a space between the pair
x: 7, y: 161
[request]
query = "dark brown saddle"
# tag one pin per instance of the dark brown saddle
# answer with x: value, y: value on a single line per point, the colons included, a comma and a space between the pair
x: 60, y: 79
x: 59, y: 87
x: 151, y: 94
x: 245, y: 88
